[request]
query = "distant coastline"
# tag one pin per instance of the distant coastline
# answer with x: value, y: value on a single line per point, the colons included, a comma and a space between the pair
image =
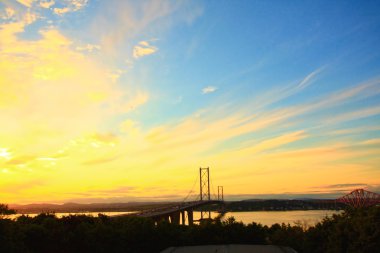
x: 230, y: 206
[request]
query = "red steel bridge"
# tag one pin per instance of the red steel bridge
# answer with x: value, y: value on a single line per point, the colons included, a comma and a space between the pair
x: 360, y: 198
x: 183, y: 213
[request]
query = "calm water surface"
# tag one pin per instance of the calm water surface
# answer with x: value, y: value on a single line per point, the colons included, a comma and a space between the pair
x: 95, y: 214
x: 310, y: 217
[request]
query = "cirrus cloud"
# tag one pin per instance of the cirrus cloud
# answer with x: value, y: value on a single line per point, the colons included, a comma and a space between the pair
x: 209, y: 89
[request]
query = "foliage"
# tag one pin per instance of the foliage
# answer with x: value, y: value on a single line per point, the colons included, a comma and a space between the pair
x: 5, y: 210
x: 353, y: 231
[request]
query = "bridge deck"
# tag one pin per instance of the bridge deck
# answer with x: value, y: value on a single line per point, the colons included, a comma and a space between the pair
x: 156, y: 212
x: 175, y: 208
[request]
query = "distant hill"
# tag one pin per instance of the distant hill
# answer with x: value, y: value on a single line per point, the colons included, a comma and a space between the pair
x: 93, y: 207
x: 233, y: 206
x: 282, y: 204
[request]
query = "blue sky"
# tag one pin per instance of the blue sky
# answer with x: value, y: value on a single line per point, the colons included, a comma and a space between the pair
x: 277, y: 97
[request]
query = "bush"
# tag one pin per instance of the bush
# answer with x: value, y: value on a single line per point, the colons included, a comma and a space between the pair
x: 352, y: 231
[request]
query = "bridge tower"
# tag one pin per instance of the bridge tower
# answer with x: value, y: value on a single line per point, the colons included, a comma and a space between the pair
x: 204, y: 184
x: 220, y: 193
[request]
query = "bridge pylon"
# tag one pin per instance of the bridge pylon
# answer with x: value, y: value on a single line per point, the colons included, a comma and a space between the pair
x: 220, y: 193
x: 204, y: 194
x: 204, y: 183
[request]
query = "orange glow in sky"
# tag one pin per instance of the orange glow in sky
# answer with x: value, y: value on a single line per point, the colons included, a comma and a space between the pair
x: 113, y: 101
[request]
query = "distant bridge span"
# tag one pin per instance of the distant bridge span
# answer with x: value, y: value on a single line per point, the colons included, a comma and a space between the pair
x: 183, y: 212
x: 360, y: 198
x: 179, y: 214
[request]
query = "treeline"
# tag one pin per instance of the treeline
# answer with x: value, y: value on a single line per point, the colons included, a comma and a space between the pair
x: 355, y: 231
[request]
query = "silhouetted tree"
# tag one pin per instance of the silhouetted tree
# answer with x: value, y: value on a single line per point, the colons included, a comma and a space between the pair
x: 5, y: 210
x: 354, y: 231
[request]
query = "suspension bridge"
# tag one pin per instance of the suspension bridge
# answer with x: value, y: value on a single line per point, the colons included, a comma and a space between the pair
x: 183, y: 212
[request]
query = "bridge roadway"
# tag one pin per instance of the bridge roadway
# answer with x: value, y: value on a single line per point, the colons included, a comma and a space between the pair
x: 174, y: 213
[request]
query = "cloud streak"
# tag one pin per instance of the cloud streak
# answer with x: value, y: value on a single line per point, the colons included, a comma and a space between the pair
x: 27, y: 3
x: 131, y: 18
x: 209, y: 89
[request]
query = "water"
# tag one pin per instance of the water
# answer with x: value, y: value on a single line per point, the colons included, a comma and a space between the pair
x: 59, y: 215
x: 310, y: 217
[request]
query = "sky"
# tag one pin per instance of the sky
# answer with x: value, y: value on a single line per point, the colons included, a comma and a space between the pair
x: 116, y: 101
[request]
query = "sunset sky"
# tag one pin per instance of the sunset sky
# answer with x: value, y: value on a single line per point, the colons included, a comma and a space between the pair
x: 113, y: 101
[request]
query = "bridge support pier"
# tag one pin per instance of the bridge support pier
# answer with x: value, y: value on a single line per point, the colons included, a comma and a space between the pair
x: 183, y: 218
x: 166, y: 218
x: 205, y: 215
x: 190, y: 217
x: 162, y: 218
x: 174, y: 218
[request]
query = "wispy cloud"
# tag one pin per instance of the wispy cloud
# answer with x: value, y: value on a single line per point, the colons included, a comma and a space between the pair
x: 282, y: 92
x: 354, y: 115
x: 27, y: 3
x: 47, y: 4
x: 371, y: 142
x: 309, y: 78
x: 115, y: 74
x: 61, y: 11
x: 357, y: 130
x: 355, y: 185
x: 130, y: 18
x: 209, y: 89
x: 143, y: 49
x: 68, y: 6
x: 107, y: 138
x: 229, y: 126
x: 88, y: 47
x: 78, y: 4
x: 5, y: 153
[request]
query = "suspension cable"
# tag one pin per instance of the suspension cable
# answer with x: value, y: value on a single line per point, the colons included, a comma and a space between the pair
x: 213, y: 189
x: 191, y: 190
